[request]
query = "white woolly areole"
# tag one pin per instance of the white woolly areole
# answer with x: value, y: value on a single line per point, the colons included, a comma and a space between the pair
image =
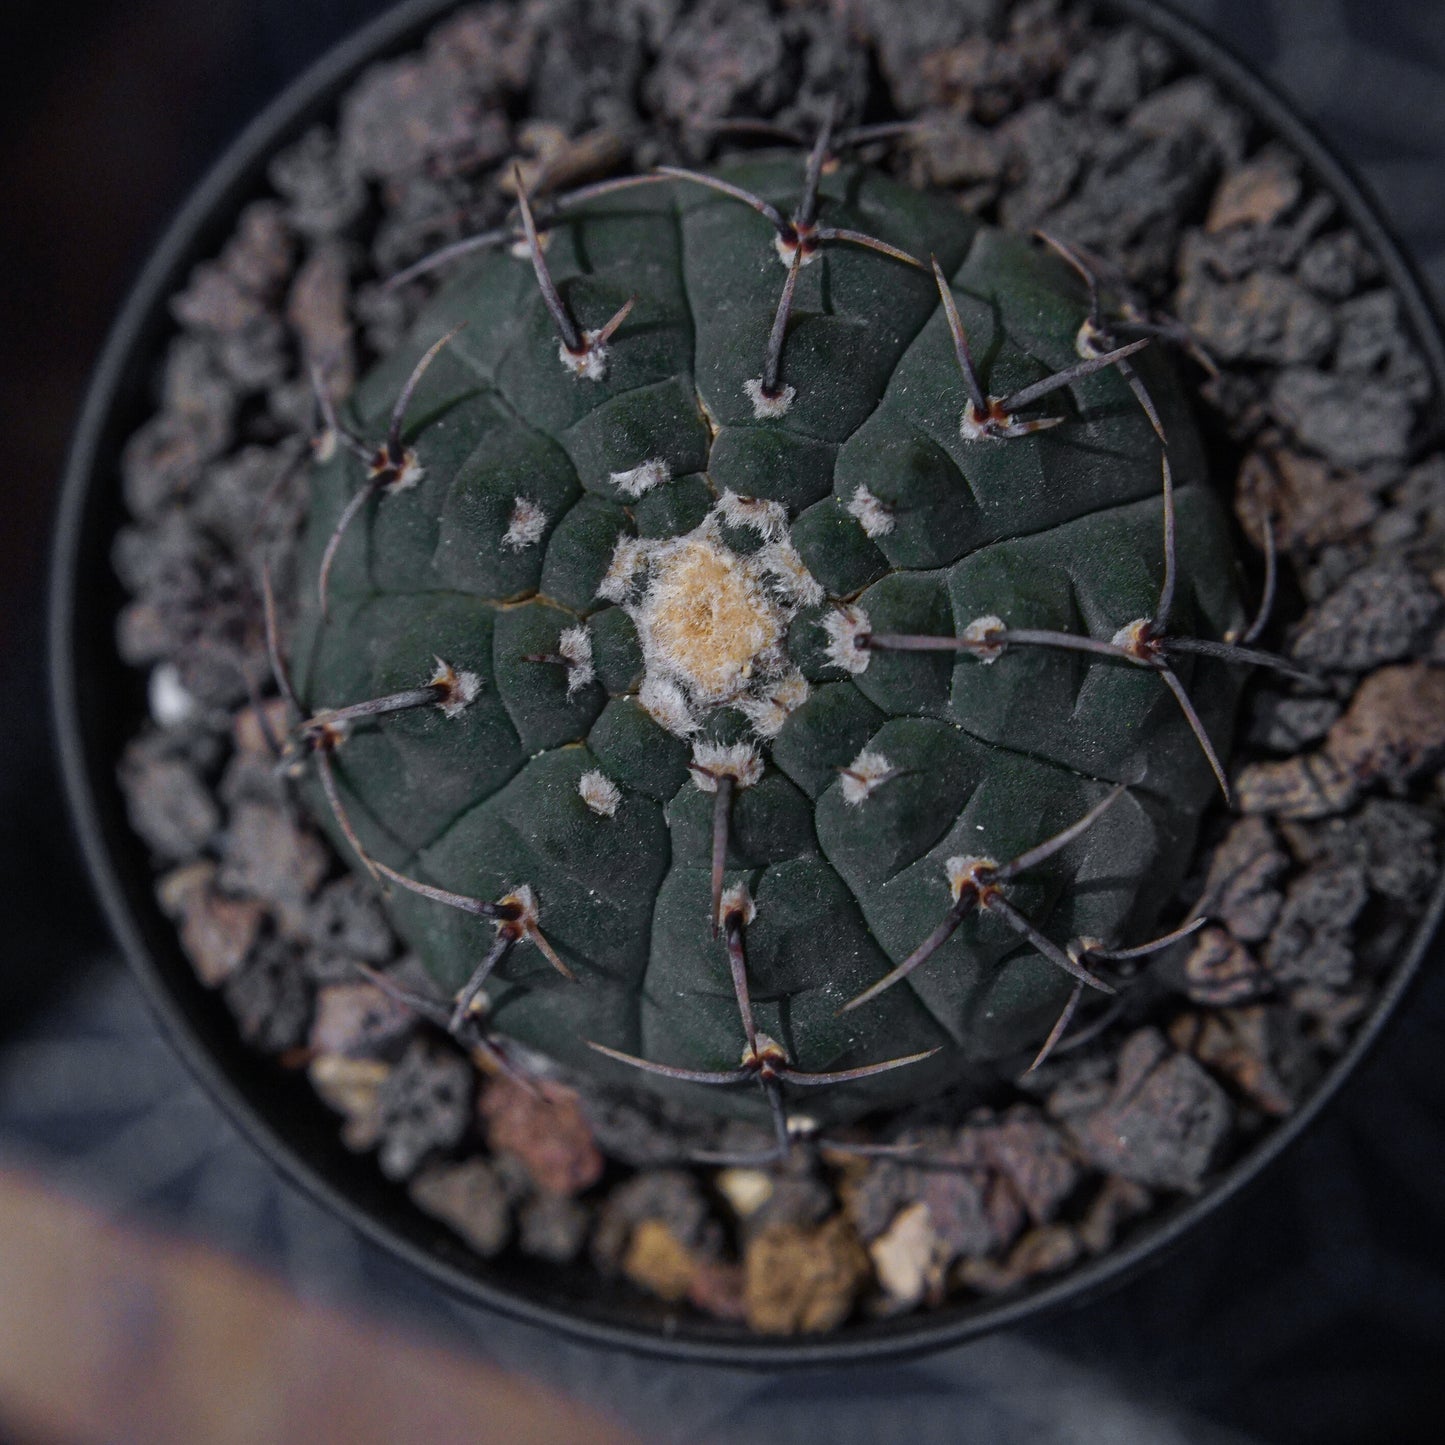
x: 641, y: 479
x: 526, y: 900
x: 590, y: 364
x: 520, y: 249
x: 1132, y: 637
x: 408, y: 475
x: 463, y: 688
x: 666, y: 704
x: 772, y: 709
x: 873, y: 516
x: 766, y: 407
x: 629, y: 557
x: 783, y: 562
x: 737, y: 899
x: 986, y: 632
x: 574, y: 647
x: 973, y: 427
x: 599, y: 792
x: 525, y: 528
x: 963, y: 871
x: 863, y: 775
x: 785, y: 250
x: 767, y: 518
x: 738, y: 761
x: 844, y: 626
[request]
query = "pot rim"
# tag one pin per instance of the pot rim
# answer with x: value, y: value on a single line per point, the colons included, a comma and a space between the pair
x: 280, y: 1115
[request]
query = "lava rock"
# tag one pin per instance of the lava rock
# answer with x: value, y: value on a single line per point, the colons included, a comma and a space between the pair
x: 425, y: 1105
x: 270, y: 998
x: 1220, y: 970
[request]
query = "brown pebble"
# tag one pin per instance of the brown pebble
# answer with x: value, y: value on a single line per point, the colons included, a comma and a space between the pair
x: 718, y: 1289
x: 1118, y: 1200
x: 1257, y: 193
x: 545, y: 1129
x: 559, y: 161
x: 1035, y: 1158
x: 803, y: 1280
x: 317, y: 312
x: 217, y: 932
x: 248, y: 730
x: 984, y: 1276
x: 1310, y: 786
x: 1240, y: 1044
x: 357, y: 1019
x: 1309, y: 503
x: 1221, y: 970
x: 658, y: 1261
x: 468, y: 1197
x: 1044, y: 1250
x: 1394, y: 727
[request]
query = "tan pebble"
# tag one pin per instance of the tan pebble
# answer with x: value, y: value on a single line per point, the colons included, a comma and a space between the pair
x: 351, y: 1087
x: 804, y: 1280
x: 747, y: 1190
x: 470, y: 1198
x: 1255, y: 194
x: 908, y: 1255
x: 658, y: 1261
x: 1045, y: 1250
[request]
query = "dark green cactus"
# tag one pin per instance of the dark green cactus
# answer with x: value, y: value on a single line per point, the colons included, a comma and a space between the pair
x: 706, y: 660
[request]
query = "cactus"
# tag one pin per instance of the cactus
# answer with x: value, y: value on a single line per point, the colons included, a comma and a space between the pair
x: 772, y: 654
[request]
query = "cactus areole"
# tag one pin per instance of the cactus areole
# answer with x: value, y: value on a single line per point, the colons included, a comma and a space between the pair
x: 761, y: 645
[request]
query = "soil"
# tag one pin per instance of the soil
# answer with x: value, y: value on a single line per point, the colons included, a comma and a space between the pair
x: 1033, y: 115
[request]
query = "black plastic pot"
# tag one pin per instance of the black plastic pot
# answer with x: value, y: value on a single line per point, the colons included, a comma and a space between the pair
x: 98, y: 703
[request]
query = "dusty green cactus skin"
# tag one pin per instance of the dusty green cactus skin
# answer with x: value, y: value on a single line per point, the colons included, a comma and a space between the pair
x: 1061, y: 529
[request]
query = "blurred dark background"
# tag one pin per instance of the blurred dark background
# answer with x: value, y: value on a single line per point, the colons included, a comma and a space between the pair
x: 1315, y: 1311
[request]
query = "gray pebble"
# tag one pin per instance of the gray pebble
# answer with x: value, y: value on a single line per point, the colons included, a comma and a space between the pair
x: 168, y: 804
x: 553, y: 1227
x: 1378, y: 615
x: 1348, y: 420
x: 1163, y: 1128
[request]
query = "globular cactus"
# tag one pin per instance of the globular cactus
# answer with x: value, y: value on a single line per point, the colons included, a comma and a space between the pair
x: 719, y: 613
